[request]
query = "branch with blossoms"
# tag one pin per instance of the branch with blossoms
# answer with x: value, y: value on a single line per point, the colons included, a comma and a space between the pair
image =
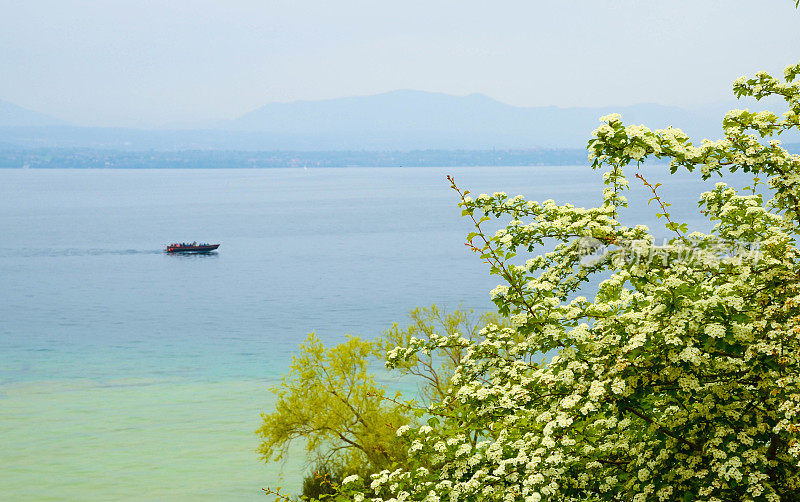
x: 678, y: 228
x: 492, y: 258
x: 739, y: 150
x: 496, y: 257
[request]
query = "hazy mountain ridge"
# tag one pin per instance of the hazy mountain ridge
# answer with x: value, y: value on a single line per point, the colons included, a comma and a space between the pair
x: 12, y: 115
x: 475, y: 121
x: 398, y: 120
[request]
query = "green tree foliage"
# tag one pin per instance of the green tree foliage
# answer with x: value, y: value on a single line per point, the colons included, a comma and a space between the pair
x: 434, y: 369
x: 678, y: 380
x: 331, y: 401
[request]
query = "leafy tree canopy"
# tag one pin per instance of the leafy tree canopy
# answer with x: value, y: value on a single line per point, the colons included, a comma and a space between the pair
x: 330, y: 400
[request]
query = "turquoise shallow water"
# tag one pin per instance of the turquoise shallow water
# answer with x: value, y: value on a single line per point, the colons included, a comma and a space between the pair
x: 128, y: 374
x: 132, y: 439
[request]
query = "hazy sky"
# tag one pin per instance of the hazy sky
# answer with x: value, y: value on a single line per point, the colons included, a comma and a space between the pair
x: 142, y: 63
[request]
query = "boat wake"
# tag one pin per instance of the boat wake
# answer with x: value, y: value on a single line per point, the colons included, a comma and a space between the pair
x: 56, y: 252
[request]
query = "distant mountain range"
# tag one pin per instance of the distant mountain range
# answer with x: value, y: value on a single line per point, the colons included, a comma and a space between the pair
x: 399, y: 120
x: 12, y: 115
x: 415, y: 119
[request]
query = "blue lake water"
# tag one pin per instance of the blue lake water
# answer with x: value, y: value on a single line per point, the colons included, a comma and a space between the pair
x: 127, y: 373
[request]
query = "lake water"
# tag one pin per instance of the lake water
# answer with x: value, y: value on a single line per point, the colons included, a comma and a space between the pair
x: 126, y: 373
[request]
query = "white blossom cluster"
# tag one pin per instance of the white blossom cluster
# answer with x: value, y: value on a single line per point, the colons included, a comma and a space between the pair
x: 679, y: 380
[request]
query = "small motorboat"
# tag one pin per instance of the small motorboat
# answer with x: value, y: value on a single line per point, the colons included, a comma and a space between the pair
x: 190, y: 247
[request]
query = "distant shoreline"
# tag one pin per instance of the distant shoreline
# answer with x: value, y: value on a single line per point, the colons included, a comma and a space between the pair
x: 89, y: 158
x: 85, y: 158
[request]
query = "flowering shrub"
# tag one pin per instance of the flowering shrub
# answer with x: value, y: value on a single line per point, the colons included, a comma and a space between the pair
x: 679, y: 380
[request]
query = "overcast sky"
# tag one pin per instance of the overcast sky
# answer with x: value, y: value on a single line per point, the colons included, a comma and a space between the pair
x: 144, y: 63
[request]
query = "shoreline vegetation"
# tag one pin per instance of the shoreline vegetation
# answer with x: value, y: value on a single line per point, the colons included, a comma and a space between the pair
x: 87, y: 158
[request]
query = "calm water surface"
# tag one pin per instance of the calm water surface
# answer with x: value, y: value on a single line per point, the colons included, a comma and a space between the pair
x: 126, y: 373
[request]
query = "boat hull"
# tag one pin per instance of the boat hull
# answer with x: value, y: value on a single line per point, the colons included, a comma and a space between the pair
x: 191, y: 249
